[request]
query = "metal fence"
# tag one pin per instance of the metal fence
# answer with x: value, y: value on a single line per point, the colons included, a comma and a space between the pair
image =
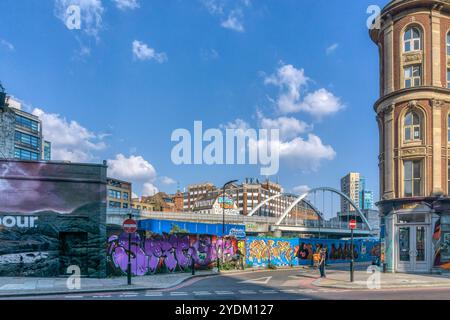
x: 116, y: 216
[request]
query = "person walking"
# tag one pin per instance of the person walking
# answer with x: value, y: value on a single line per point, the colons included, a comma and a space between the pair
x: 240, y: 260
x: 322, y: 261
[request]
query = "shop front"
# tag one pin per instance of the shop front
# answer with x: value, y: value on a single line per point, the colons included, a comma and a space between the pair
x: 411, y: 235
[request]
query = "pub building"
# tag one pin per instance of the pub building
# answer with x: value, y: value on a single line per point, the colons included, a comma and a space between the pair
x: 413, y: 115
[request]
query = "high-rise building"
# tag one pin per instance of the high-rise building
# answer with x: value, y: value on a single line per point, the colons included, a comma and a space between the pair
x: 353, y: 185
x: 21, y: 134
x: 413, y: 115
x: 350, y: 186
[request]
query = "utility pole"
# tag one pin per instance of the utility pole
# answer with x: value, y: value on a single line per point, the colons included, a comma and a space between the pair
x: 352, y: 276
x: 223, y: 217
x: 129, y: 254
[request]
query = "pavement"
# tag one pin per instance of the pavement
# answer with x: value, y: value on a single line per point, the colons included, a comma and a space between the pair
x: 257, y: 282
x: 364, y: 279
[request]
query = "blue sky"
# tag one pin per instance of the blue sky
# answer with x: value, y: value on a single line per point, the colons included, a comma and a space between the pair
x: 209, y: 60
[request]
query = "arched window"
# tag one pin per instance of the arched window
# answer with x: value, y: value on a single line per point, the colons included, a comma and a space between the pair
x: 448, y: 43
x: 412, y: 127
x: 412, y: 40
x: 448, y: 129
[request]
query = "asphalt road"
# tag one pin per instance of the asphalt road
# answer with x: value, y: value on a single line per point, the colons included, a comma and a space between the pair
x: 265, y: 285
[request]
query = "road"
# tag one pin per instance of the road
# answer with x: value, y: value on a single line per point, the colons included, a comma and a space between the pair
x: 263, y: 285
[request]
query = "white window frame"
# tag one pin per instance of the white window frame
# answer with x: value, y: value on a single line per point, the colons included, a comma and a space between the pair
x: 412, y: 41
x: 412, y: 78
x: 412, y: 127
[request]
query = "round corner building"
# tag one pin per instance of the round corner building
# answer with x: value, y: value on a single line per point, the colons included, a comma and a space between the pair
x: 413, y: 115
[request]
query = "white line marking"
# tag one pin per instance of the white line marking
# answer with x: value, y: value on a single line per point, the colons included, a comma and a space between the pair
x: 268, y: 291
x: 178, y: 293
x: 263, y: 280
x: 202, y: 293
x: 247, y: 292
x: 288, y: 290
x: 224, y: 292
x: 154, y: 294
x: 73, y: 297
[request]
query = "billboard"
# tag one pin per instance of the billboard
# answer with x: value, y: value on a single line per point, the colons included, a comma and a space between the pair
x: 52, y: 215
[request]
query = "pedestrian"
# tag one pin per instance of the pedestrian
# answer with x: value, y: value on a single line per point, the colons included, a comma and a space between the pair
x: 240, y: 261
x: 322, y: 261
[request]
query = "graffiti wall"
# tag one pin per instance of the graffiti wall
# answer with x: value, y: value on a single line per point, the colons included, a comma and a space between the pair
x: 153, y: 253
x: 52, y: 215
x: 294, y: 251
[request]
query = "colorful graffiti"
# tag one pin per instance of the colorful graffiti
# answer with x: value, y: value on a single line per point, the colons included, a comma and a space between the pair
x: 284, y: 252
x: 166, y: 253
x: 262, y: 251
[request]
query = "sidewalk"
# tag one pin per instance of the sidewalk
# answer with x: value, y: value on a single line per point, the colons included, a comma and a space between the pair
x: 10, y: 287
x: 341, y: 279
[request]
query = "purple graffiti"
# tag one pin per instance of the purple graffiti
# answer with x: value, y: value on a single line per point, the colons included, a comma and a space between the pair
x: 166, y: 252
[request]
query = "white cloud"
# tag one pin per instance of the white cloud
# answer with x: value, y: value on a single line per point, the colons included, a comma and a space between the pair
x: 230, y: 12
x: 7, y: 44
x: 167, y: 180
x: 290, y: 80
x: 91, y: 14
x: 134, y: 195
x: 209, y: 54
x: 142, y: 51
x: 70, y: 141
x: 233, y: 21
x: 291, y: 83
x: 149, y: 189
x: 321, y: 103
x: 127, y: 4
x: 301, y: 189
x: 236, y: 124
x: 289, y: 127
x: 306, y: 154
x: 133, y: 168
x: 213, y: 6
x: 332, y: 48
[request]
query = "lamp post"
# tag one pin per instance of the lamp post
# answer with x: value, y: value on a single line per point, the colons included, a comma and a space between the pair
x: 223, y: 217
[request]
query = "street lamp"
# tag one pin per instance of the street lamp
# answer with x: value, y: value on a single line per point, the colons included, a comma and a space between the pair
x: 223, y: 216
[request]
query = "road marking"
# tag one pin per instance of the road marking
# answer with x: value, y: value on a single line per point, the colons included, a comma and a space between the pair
x: 202, y: 293
x: 73, y: 297
x: 307, y: 291
x: 247, y: 292
x: 128, y: 295
x: 178, y: 293
x: 224, y: 292
x: 288, y: 291
x: 263, y: 280
x: 154, y: 294
x: 268, y: 291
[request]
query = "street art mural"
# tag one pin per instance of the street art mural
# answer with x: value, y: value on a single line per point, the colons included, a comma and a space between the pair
x: 294, y: 251
x: 52, y: 215
x: 262, y: 251
x: 166, y: 253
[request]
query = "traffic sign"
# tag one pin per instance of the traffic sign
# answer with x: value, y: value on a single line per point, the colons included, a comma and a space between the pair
x: 352, y: 224
x: 129, y: 226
